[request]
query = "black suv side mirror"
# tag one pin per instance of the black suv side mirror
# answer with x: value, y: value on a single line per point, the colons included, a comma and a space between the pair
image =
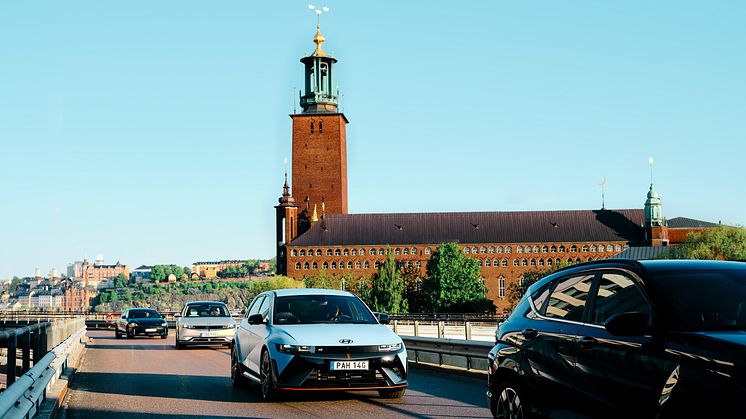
x: 628, y: 324
x: 256, y: 319
x: 383, y: 318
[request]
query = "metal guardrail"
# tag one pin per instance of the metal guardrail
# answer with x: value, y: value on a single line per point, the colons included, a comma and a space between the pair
x: 453, y: 352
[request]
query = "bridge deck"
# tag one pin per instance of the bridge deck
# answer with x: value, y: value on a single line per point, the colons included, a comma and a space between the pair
x: 147, y: 376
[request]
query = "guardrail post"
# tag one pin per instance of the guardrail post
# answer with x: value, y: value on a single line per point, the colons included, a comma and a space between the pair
x: 416, y: 328
x: 441, y: 330
x: 396, y: 323
x: 467, y: 330
x: 10, y: 369
x: 26, y: 350
x: 43, y: 341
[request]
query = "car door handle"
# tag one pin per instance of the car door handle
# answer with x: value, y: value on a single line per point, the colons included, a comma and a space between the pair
x: 587, y: 342
x: 529, y: 333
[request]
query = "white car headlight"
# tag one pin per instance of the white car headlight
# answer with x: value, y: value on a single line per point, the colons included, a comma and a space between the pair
x: 293, y: 349
x: 389, y: 348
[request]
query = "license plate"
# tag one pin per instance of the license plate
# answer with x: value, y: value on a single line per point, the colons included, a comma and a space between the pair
x: 150, y: 330
x: 209, y: 335
x: 349, y: 365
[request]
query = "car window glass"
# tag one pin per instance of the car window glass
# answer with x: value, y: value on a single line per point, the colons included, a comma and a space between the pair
x: 264, y: 308
x: 206, y: 310
x: 617, y: 294
x: 255, y: 307
x: 539, y: 297
x: 568, y: 298
x: 308, y: 309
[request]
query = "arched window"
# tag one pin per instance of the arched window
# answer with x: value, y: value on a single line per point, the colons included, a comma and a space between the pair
x: 491, y: 249
x: 406, y: 251
x: 544, y: 249
x: 533, y: 262
x: 481, y: 263
x: 619, y: 248
x: 558, y: 261
x: 593, y: 248
x: 553, y: 249
x: 504, y: 262
x: 378, y: 264
x: 573, y: 248
x: 302, y: 252
x: 487, y: 262
x: 349, y: 264
x: 361, y: 252
x: 315, y: 265
x: 334, y: 265
x: 354, y: 252
x: 609, y: 248
x: 499, y: 249
x: 527, y: 249
x: 524, y: 262
x: 325, y: 265
x: 549, y: 262
x: 496, y: 263
x: 341, y: 264
x: 328, y: 252
x: 306, y: 266
x: 357, y: 264
x: 474, y: 250
x: 413, y: 251
x: 337, y: 252
x: 293, y: 253
x: 508, y: 249
x: 318, y: 252
x: 483, y: 250
x: 536, y: 249
x: 345, y: 252
x: 372, y: 252
x: 577, y: 260
x: 519, y: 249
x: 409, y: 264
x: 380, y: 252
x: 569, y: 260
x: 562, y: 249
x: 366, y: 265
x: 417, y: 264
x: 397, y: 251
x: 516, y: 262
x: 297, y: 265
x: 501, y: 287
x: 585, y: 248
x: 601, y: 247
x: 467, y: 250
x: 541, y: 262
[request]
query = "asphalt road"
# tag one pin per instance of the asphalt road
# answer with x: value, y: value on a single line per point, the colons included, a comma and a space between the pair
x: 148, y: 377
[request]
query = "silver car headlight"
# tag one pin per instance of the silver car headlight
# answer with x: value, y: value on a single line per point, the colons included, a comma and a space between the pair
x: 293, y: 349
x: 389, y: 348
x: 132, y: 324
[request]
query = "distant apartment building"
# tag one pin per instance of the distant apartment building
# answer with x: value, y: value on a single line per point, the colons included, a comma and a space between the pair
x: 75, y: 270
x: 141, y: 274
x: 77, y: 298
x: 209, y: 270
x: 99, y: 274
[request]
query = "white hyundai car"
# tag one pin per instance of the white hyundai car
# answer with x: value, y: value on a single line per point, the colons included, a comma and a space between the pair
x: 204, y: 323
x: 313, y: 339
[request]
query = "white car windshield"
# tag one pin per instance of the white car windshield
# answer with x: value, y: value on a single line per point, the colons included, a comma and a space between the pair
x: 206, y: 310
x: 311, y: 309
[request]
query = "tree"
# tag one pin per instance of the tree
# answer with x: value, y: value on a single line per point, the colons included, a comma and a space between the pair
x: 721, y: 243
x: 158, y: 273
x: 412, y: 277
x: 187, y: 271
x: 15, y: 284
x: 387, y: 288
x: 120, y: 281
x: 453, y: 281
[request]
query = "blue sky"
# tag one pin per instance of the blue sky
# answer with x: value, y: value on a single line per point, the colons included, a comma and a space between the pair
x: 155, y: 132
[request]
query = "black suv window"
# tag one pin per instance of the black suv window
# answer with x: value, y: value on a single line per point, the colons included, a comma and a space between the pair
x: 568, y: 298
x: 617, y: 293
x: 539, y: 297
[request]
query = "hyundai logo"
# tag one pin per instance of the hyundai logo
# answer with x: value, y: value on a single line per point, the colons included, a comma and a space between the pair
x: 345, y: 341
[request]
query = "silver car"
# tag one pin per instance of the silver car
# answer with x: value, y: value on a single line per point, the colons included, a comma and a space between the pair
x: 204, y: 323
x: 312, y: 339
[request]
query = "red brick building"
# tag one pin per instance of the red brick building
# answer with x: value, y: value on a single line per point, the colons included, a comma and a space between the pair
x: 317, y: 232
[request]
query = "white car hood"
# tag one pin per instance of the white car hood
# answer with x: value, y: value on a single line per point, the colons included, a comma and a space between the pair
x: 208, y: 321
x: 331, y: 334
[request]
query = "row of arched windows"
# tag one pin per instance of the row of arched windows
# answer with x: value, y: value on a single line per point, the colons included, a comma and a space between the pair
x: 544, y: 249
x: 358, y: 251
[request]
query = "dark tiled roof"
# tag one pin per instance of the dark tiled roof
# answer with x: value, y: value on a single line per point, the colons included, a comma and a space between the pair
x: 475, y: 227
x: 683, y: 222
x: 644, y: 253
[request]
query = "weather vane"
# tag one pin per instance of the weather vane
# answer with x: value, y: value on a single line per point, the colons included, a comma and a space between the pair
x: 318, y: 12
x: 603, y: 196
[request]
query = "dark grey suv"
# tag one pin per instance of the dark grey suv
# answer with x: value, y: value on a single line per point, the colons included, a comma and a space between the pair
x: 621, y: 338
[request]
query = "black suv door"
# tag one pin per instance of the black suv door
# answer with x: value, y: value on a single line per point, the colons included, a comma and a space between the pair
x: 619, y: 375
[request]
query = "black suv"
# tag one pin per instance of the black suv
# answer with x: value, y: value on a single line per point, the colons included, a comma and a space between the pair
x: 622, y: 338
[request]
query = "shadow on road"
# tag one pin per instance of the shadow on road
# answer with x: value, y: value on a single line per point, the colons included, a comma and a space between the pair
x: 108, y: 414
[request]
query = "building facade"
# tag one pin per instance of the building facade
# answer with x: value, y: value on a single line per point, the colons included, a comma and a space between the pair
x: 314, y: 230
x: 99, y: 274
x: 209, y: 270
